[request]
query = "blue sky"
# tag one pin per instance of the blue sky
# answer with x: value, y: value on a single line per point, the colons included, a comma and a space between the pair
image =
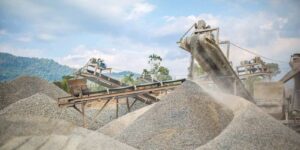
x: 125, y: 32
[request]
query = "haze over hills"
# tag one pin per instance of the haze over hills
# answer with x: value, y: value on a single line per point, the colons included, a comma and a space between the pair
x: 12, y: 67
x: 120, y: 75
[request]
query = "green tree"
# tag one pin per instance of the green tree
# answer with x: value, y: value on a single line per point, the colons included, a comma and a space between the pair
x: 273, y: 68
x: 63, y: 84
x: 156, y: 70
x: 129, y: 79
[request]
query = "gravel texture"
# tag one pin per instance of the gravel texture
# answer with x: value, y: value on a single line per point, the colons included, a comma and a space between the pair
x: 117, y: 126
x: 108, y: 114
x: 24, y: 87
x: 44, y: 103
x: 14, y: 126
x: 251, y: 128
x: 47, y: 134
x: 90, y: 141
x: 43, y: 106
x: 185, y: 119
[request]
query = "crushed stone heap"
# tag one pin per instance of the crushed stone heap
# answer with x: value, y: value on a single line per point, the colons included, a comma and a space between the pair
x: 190, y: 118
x: 24, y: 87
x: 43, y: 133
x: 41, y: 105
x: 117, y: 126
x: 251, y: 128
x: 185, y: 119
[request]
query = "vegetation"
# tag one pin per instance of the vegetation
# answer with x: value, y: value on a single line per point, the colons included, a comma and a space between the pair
x: 273, y: 68
x: 12, y: 66
x: 63, y: 84
x: 157, y: 71
x: 249, y: 82
x: 120, y: 75
x: 129, y: 79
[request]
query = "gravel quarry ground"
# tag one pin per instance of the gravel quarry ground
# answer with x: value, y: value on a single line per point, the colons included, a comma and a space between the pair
x: 233, y: 123
x: 48, y: 134
x: 24, y: 87
x: 190, y: 117
x: 186, y: 119
x: 117, y: 126
x: 41, y: 105
x: 28, y: 96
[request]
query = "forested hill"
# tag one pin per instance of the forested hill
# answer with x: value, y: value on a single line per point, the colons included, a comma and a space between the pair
x: 13, y: 66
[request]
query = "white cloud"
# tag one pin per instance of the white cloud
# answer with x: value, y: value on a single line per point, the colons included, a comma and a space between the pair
x: 114, y: 9
x: 139, y: 9
x: 125, y: 55
x: 178, y: 25
x: 45, y: 37
x: 24, y: 38
x: 2, y: 32
x: 259, y: 32
x: 26, y: 52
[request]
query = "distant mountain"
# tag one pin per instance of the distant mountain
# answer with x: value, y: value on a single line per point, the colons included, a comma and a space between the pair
x: 120, y: 75
x: 13, y: 66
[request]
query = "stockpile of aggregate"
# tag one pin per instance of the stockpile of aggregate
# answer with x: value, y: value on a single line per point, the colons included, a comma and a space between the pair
x: 251, y: 128
x: 14, y: 126
x: 195, y: 118
x: 116, y: 126
x: 43, y: 133
x: 24, y: 87
x: 41, y: 105
x: 89, y: 141
x: 185, y: 119
x: 108, y: 114
x: 38, y: 97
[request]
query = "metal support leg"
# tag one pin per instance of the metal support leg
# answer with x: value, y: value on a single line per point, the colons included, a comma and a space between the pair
x: 98, y: 113
x: 127, y: 103
x: 83, y: 114
x: 117, y: 107
x: 132, y: 103
x: 234, y: 87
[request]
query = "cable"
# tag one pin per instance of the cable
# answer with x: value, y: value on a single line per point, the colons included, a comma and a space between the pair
x: 280, y: 61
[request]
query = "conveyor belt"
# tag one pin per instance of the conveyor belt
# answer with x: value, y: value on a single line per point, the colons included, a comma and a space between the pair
x: 291, y: 74
x: 70, y: 101
x: 109, y: 82
x: 212, y: 60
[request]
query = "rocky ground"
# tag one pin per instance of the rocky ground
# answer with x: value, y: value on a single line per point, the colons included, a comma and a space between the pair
x: 191, y: 117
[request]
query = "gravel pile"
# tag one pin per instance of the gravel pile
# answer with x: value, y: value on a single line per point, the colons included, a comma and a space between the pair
x: 24, y: 87
x: 117, y: 126
x: 14, y: 126
x: 108, y: 114
x: 91, y: 141
x: 185, y: 119
x: 41, y: 105
x: 251, y: 128
x: 196, y: 118
x: 42, y: 133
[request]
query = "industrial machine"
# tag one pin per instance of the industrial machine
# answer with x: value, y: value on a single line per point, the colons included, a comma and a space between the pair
x: 203, y: 46
x: 254, y: 67
x: 78, y: 87
x: 292, y: 82
x: 95, y: 66
x: 114, y: 89
x: 272, y: 97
